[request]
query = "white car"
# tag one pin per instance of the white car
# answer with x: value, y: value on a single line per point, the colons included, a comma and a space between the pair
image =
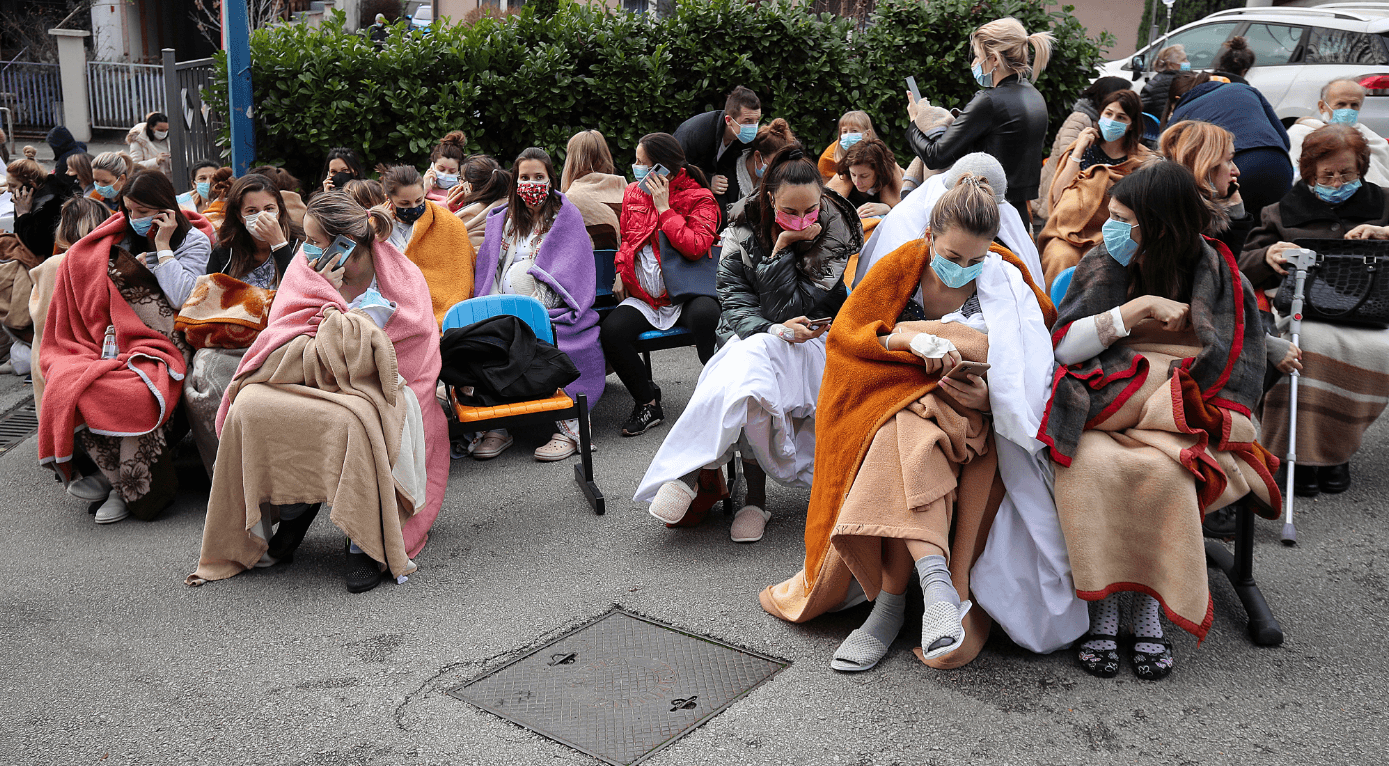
x: 1297, y: 51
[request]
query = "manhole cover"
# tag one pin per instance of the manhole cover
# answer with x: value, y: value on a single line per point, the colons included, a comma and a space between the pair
x: 18, y: 424
x: 621, y: 687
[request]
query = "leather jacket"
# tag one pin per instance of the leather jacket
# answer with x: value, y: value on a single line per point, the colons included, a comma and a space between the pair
x: 1008, y: 121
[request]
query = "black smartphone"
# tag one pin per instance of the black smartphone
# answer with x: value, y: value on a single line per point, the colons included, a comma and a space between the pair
x: 659, y: 170
x: 342, y: 247
x: 911, y: 86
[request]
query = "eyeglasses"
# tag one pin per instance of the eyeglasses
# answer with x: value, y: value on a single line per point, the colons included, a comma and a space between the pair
x: 1344, y: 177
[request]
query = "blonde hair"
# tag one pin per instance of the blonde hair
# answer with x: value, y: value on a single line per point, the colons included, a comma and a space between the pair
x: 366, y: 191
x: 116, y: 163
x: 970, y: 204
x: 1169, y: 58
x: 587, y: 152
x: 1199, y: 147
x: 1007, y: 39
x: 80, y: 215
x: 339, y: 214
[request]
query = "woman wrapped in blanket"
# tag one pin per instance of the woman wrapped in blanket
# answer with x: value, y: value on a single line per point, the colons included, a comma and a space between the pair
x: 432, y: 238
x: 918, y: 464
x: 781, y: 280
x: 1149, y: 423
x: 326, y: 408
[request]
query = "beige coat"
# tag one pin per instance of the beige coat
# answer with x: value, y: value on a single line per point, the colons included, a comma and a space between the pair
x: 474, y: 216
x: 1067, y: 135
x: 145, y: 150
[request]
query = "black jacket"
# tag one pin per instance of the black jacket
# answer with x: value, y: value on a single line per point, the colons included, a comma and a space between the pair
x: 503, y: 362
x: 1008, y: 121
x: 64, y: 145
x: 1155, y: 93
x: 220, y: 259
x: 758, y: 289
x: 37, y: 227
x: 700, y: 137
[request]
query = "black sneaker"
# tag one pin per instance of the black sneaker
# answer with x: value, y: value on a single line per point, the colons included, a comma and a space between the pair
x: 290, y: 534
x: 1220, y: 523
x: 644, y: 418
x: 361, y: 573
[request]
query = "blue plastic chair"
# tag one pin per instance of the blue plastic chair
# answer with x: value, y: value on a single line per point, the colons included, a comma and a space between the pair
x: 1061, y: 285
x: 604, y: 274
x: 1150, y: 127
x: 558, y: 407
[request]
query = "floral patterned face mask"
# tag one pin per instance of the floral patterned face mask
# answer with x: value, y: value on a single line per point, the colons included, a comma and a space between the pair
x: 533, y: 192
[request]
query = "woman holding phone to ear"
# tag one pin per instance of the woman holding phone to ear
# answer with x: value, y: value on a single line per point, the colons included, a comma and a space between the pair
x: 783, y: 262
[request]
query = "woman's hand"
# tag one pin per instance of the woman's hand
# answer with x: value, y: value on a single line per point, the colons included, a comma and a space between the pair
x: 1275, y: 259
x: 1171, y: 314
x: 329, y: 268
x: 1368, y: 231
x: 1087, y: 139
x: 328, y: 183
x: 1292, y: 360
x: 803, y: 332
x: 619, y: 289
x: 914, y: 107
x: 659, y: 186
x: 23, y: 200
x: 429, y: 180
x: 973, y: 392
x: 165, y: 224
x: 268, y: 230
x: 457, y: 193
x: 873, y: 209
x: 787, y: 237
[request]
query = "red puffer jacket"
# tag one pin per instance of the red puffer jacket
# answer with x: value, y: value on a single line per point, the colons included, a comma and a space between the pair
x: 691, y: 224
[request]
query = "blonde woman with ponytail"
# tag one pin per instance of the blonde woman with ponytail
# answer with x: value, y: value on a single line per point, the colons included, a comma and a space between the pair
x: 939, y: 362
x: 1007, y: 118
x: 291, y: 442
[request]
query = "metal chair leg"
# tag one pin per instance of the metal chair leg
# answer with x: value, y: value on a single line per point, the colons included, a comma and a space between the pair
x: 583, y: 472
x: 1264, y: 629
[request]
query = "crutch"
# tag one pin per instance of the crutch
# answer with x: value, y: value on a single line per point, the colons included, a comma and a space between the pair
x: 1300, y: 260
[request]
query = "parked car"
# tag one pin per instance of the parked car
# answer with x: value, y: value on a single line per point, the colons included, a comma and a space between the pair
x: 1297, y: 51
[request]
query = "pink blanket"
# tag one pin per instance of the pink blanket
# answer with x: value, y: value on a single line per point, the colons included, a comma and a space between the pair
x: 298, y: 309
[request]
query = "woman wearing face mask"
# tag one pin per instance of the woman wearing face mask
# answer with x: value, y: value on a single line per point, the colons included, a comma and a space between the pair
x: 81, y: 216
x: 1080, y: 190
x: 868, y: 179
x: 218, y: 187
x: 378, y: 444
x: 537, y: 245
x: 38, y: 202
x: 116, y: 400
x: 149, y: 143
x: 1345, y: 368
x: 1149, y: 428
x: 781, y: 279
x: 680, y: 207
x: 1007, y: 118
x: 771, y: 138
x: 1085, y: 113
x: 431, y: 237
x: 486, y: 187
x: 1341, y: 102
x: 590, y: 181
x: 917, y: 466
x: 200, y: 197
x: 445, y: 165
x: 1171, y: 61
x: 854, y: 127
x: 109, y: 173
x: 79, y: 167
x: 340, y: 166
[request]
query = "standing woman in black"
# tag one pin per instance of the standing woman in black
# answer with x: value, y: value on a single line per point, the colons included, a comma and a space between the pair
x: 1007, y: 118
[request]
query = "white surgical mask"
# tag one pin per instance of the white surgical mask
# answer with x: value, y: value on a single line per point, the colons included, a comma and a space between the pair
x: 160, y: 135
x: 251, y: 223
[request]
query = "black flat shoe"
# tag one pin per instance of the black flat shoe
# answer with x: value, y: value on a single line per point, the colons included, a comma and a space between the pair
x: 1100, y: 664
x: 361, y: 573
x: 1305, y: 483
x: 1152, y: 667
x: 1219, y: 523
x: 1334, y: 479
x: 290, y: 534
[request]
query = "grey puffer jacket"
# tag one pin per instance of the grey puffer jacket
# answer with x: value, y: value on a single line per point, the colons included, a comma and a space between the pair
x: 758, y: 290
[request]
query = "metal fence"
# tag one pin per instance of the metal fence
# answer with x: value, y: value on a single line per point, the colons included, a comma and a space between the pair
x: 193, y: 125
x: 120, y: 95
x: 32, y: 93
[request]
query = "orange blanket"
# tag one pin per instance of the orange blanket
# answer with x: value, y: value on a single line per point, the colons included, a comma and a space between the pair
x: 439, y: 245
x: 1079, y: 212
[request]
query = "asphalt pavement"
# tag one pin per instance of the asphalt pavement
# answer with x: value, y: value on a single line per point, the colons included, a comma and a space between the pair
x: 108, y: 658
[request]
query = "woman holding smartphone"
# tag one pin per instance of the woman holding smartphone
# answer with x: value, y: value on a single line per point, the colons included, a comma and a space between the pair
x: 781, y: 279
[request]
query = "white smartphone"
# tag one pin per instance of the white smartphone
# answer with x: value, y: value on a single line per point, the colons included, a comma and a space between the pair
x: 659, y: 170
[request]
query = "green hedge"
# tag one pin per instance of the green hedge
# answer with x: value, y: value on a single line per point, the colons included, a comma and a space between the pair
x: 535, y: 81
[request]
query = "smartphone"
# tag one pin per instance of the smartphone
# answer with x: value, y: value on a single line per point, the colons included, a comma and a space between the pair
x: 816, y: 324
x: 911, y: 86
x: 966, y: 368
x: 342, y: 247
x: 659, y: 170
x: 1230, y: 192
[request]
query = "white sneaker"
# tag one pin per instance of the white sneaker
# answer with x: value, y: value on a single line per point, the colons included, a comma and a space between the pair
x: 749, y: 524
x: 112, y: 511
x: 92, y: 488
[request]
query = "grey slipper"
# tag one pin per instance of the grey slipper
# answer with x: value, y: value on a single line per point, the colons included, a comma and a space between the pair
x: 860, y: 651
x: 942, y: 628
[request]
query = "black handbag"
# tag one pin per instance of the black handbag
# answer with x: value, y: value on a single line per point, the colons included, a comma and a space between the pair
x: 684, y: 278
x: 1347, y: 284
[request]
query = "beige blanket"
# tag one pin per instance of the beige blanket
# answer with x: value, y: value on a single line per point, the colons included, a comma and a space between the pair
x: 474, y: 216
x: 320, y: 421
x: 15, y: 289
x: 45, y: 279
x: 598, y: 196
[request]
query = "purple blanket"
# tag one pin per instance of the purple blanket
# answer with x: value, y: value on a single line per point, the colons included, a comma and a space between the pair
x: 565, y: 265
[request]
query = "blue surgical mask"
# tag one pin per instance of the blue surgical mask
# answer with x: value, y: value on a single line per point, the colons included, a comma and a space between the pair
x: 142, y: 225
x: 1111, y: 130
x: 761, y: 169
x: 204, y: 189
x: 746, y: 133
x: 1118, y: 240
x: 849, y: 139
x: 953, y: 274
x: 106, y: 192
x: 984, y: 80
x: 1185, y: 66
x: 311, y: 251
x: 1333, y: 195
x: 1345, y: 116
x: 446, y: 180
x: 640, y: 172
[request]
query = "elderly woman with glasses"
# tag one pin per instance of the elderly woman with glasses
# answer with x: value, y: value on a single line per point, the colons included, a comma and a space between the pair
x: 1345, y: 368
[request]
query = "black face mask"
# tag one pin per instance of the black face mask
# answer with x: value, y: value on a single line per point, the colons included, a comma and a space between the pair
x: 340, y: 179
x: 410, y: 214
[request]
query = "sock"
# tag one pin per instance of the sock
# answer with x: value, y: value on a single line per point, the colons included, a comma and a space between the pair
x: 885, y: 621
x: 1104, y: 620
x: 936, y: 584
x: 1147, y: 623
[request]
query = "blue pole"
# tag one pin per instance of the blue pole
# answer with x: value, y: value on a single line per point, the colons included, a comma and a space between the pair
x: 236, y: 40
